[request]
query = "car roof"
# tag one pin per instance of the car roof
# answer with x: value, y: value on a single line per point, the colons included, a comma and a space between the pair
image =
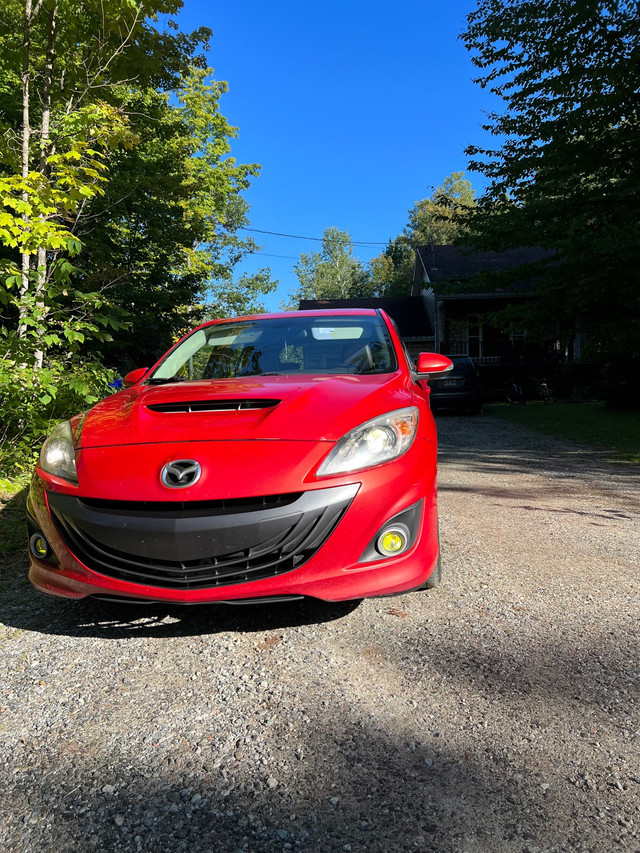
x: 285, y: 315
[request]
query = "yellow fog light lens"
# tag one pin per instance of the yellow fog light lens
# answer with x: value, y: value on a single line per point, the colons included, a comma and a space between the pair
x: 39, y: 546
x: 393, y: 541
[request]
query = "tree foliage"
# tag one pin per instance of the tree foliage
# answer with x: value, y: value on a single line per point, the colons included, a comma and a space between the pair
x: 565, y: 170
x: 46, y: 317
x: 244, y: 298
x: 165, y: 242
x: 392, y: 271
x: 121, y: 201
x: 331, y: 273
x: 439, y: 219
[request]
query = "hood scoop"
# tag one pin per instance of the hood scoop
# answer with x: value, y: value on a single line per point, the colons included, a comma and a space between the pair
x: 211, y: 405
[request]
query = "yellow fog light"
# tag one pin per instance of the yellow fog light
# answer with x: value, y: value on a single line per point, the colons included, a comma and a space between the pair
x: 39, y: 546
x: 393, y: 541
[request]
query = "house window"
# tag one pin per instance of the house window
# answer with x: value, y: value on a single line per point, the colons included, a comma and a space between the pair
x: 474, y: 337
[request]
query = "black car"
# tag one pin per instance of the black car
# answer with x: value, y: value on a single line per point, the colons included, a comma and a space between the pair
x: 459, y: 389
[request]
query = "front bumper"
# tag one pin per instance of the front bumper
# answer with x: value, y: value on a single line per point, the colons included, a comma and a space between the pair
x: 201, y: 544
x: 306, y: 543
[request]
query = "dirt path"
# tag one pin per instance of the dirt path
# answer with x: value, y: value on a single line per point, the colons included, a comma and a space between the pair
x: 498, y: 714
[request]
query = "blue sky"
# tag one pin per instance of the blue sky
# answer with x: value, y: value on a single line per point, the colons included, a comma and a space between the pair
x: 354, y: 110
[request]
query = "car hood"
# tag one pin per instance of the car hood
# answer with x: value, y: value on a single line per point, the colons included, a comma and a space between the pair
x: 312, y: 408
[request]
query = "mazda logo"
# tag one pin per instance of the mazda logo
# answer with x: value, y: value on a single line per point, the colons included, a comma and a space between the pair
x: 181, y: 473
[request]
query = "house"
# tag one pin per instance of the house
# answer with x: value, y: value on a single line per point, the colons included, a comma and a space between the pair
x: 447, y: 311
x: 413, y: 315
x: 461, y: 307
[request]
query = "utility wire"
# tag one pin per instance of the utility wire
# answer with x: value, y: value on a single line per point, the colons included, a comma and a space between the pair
x: 316, y: 239
x: 267, y: 255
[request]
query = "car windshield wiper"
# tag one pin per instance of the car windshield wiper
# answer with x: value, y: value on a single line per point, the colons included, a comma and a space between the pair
x: 257, y: 373
x: 157, y: 380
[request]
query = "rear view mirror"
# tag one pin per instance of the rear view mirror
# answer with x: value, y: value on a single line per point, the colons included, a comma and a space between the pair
x: 134, y: 376
x: 433, y: 362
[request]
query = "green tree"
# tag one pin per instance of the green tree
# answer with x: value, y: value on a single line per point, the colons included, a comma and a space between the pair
x: 165, y: 223
x: 565, y: 170
x: 245, y: 297
x: 46, y: 322
x: 331, y: 273
x: 69, y: 62
x: 112, y: 143
x: 440, y: 218
x: 166, y: 243
x: 392, y: 271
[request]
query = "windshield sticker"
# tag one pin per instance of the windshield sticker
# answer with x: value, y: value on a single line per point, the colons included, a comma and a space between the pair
x: 337, y: 333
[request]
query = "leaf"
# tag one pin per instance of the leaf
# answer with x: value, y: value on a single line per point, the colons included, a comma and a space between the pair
x: 401, y: 614
x: 270, y: 642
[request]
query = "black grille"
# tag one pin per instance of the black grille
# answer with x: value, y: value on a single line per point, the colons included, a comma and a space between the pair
x: 211, y: 405
x: 180, y: 508
x: 201, y: 544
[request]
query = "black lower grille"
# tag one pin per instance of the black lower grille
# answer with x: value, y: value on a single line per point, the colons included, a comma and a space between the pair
x: 204, y: 544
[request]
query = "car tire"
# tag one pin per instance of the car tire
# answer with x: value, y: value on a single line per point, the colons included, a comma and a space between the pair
x: 435, y: 577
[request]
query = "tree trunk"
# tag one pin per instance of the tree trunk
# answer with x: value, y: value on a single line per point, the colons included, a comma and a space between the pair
x: 30, y: 14
x: 45, y: 127
x: 26, y: 139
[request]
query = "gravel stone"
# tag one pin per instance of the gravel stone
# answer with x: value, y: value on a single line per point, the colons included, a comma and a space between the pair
x: 496, y: 714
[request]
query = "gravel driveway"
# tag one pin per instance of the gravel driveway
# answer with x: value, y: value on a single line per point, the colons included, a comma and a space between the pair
x: 497, y: 713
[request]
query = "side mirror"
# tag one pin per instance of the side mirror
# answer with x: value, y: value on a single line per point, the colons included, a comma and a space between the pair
x: 134, y: 376
x: 433, y: 362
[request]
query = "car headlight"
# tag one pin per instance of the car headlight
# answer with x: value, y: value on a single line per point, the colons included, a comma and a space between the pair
x: 57, y: 456
x: 376, y: 441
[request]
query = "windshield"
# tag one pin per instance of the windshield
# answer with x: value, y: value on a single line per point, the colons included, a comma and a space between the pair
x: 274, y: 346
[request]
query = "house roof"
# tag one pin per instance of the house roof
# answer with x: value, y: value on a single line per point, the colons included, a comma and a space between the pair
x: 409, y: 312
x: 458, y: 263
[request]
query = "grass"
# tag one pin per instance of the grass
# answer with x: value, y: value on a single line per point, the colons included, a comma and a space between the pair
x: 13, y: 525
x: 591, y: 424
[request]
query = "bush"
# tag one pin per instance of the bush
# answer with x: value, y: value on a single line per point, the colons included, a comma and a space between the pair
x: 33, y: 400
x: 623, y: 385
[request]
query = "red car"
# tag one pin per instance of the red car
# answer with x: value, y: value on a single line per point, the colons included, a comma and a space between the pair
x: 263, y: 458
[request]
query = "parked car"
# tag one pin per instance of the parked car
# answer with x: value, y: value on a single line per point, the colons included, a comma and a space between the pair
x: 262, y: 458
x: 460, y: 389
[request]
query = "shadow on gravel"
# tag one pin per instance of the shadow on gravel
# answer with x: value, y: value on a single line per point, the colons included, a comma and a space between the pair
x: 546, y: 676
x: 489, y: 445
x: 356, y: 788
x: 334, y: 773
x: 486, y: 459
x: 26, y: 609
x: 338, y: 783
x: 519, y: 493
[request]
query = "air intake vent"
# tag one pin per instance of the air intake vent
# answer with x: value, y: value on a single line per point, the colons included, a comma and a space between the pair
x: 211, y: 405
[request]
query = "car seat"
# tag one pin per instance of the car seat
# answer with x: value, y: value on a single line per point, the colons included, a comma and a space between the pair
x: 358, y: 358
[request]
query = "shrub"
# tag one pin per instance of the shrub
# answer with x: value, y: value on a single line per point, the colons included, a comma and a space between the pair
x: 33, y: 399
